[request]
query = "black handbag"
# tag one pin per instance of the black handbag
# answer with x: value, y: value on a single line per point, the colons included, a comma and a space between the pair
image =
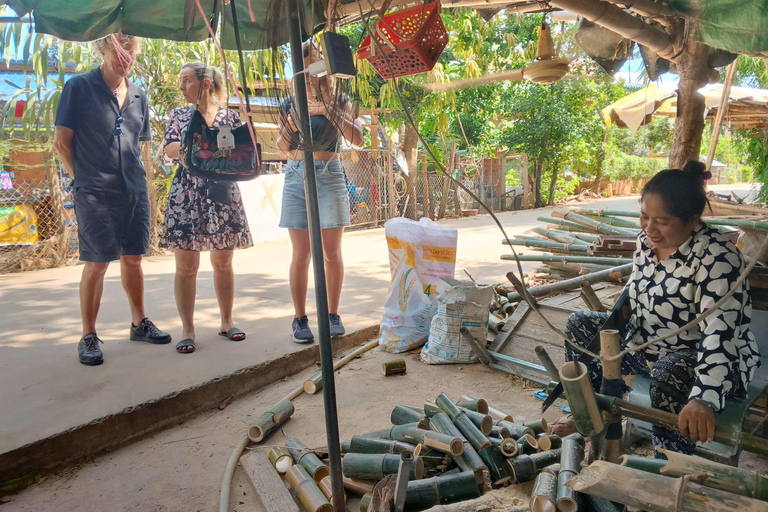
x: 202, y: 156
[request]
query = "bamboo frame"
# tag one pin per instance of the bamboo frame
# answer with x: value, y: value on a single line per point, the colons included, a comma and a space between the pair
x: 581, y: 398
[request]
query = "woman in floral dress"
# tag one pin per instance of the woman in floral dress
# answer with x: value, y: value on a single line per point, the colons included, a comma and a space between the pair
x: 202, y: 215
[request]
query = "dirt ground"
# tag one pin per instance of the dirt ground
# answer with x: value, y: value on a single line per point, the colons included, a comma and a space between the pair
x: 180, y: 469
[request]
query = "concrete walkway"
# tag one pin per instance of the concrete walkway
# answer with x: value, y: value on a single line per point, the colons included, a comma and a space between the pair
x: 45, y: 391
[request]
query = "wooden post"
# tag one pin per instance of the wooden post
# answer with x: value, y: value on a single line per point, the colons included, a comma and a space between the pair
x: 527, y: 184
x: 721, y: 111
x: 269, y: 488
x: 426, y: 193
x: 154, y: 212
x: 457, y: 204
x: 447, y: 182
x: 411, y: 211
x: 375, y: 204
x: 610, y: 345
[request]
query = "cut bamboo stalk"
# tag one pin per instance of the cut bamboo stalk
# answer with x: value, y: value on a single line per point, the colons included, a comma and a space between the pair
x: 571, y: 456
x: 516, y: 431
x: 375, y: 466
x: 569, y: 284
x: 440, y: 490
x: 459, y: 418
x: 317, y: 379
x: 308, y: 460
x: 431, y: 409
x: 391, y: 433
x: 591, y: 299
x: 605, y: 213
x: 656, y: 493
x: 365, y: 502
x: 281, y: 459
x: 496, y: 464
x: 745, y: 482
x: 613, y: 221
x: 270, y: 420
x: 361, y: 444
x: 495, y: 414
x: 539, y: 426
x: 431, y: 457
x: 495, y: 323
x: 500, y: 432
x: 594, y: 260
x: 601, y: 504
x: 578, y: 269
x: 544, y: 493
x: 596, y: 225
x: 613, y: 385
x: 402, y: 415
x: 547, y: 363
x: 477, y: 346
x: 310, y: 495
x: 482, y: 421
x: 469, y: 460
x: 393, y: 367
x: 527, y: 444
x: 507, y: 446
x: 548, y: 441
x: 523, y: 467
x: 581, y: 398
x: 565, y: 225
x: 647, y: 464
x: 477, y: 405
x: 327, y: 489
x: 576, y: 437
x: 359, y: 487
x: 559, y: 236
x: 443, y: 443
x: 567, y: 499
x: 546, y: 244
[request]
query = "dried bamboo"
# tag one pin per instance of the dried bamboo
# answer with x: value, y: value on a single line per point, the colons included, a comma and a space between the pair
x: 308, y: 460
x: 656, y: 493
x: 495, y: 414
x: 495, y: 323
x: 440, y: 490
x: 569, y: 284
x: 469, y: 460
x: 459, y: 418
x: 593, y: 224
x: 393, y: 367
x: 270, y: 420
x: 613, y: 221
x: 539, y: 426
x: 359, y: 487
x: 564, y: 225
x: 559, y: 236
x: 523, y: 467
x: 280, y: 458
x: 402, y: 415
x: 496, y: 464
x: 649, y: 465
x: 745, y: 482
x: 327, y: 489
x: 544, y: 493
x: 581, y: 398
x: 549, y: 441
x: 546, y: 244
x: 565, y: 259
x: 500, y: 432
x: 591, y: 299
x: 507, y: 446
x: 361, y: 444
x: 481, y: 421
x: 527, y: 444
x: 375, y: 466
x: 516, y: 431
x: 310, y: 495
x: 477, y: 405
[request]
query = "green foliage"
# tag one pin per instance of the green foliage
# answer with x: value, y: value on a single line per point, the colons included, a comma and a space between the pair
x: 653, y: 139
x: 630, y: 167
x: 758, y: 160
x: 565, y: 188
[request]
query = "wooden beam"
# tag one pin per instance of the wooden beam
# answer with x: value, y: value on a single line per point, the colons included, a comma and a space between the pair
x: 269, y: 487
x: 721, y: 112
x: 647, y: 8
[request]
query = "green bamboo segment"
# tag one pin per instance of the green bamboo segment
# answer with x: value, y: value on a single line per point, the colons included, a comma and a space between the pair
x: 559, y: 236
x: 539, y: 426
x: 601, y: 504
x: 507, y: 446
x: 432, y: 458
x: 346, y: 446
x: 280, y: 458
x: 564, y: 225
x: 359, y: 487
x: 443, y: 443
x: 549, y: 441
x: 600, y: 227
x: 745, y: 482
x: 481, y: 421
x: 459, y: 418
x: 647, y: 464
x: 495, y: 414
x: 495, y: 462
x: 361, y: 444
x: 387, y: 432
x: 469, y: 460
x: 270, y: 420
x: 306, y: 459
x: 546, y: 244
x: 544, y: 495
x: 365, y: 502
x: 495, y: 323
x: 614, y: 221
x: 527, y: 444
x: 500, y: 432
x: 571, y: 457
x: 327, y: 489
x: 440, y: 490
x: 605, y: 213
x: 477, y: 405
x: 567, y: 499
x: 523, y: 467
x: 578, y: 269
x: 581, y: 398
x: 430, y: 410
x: 375, y: 466
x: 569, y: 284
x: 576, y: 437
x: 313, y: 384
x: 516, y: 431
x: 393, y: 367
x: 310, y: 495
x: 596, y: 260
x: 715, y: 221
x: 402, y: 415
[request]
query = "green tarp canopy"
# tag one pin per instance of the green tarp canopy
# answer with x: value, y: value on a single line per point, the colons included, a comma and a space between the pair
x: 739, y: 26
x: 177, y: 20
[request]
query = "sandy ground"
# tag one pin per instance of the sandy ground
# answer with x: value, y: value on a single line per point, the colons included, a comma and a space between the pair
x: 180, y: 469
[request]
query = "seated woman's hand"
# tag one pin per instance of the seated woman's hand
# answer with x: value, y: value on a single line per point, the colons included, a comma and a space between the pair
x: 697, y: 421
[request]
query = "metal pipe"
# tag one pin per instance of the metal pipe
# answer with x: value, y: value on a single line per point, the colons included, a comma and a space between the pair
x: 316, y: 241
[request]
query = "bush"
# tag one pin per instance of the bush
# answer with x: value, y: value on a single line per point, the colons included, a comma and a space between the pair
x: 746, y: 174
x: 628, y: 167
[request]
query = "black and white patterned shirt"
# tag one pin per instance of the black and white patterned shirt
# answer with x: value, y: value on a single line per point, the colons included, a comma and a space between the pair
x: 667, y: 294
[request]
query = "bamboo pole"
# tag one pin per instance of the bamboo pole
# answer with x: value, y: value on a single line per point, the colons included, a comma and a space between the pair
x: 392, y: 432
x: 500, y: 432
x: 516, y: 431
x: 327, y: 489
x: 315, y: 383
x: 746, y: 482
x: 647, y: 464
x: 567, y: 499
x: 656, y: 493
x: 280, y: 458
x: 578, y: 269
x: 365, y: 502
x: 591, y: 299
x: 482, y: 421
x: 496, y: 464
x: 270, y: 420
x: 469, y: 460
x: 567, y: 226
x: 309, y: 494
x: 495, y: 323
x: 528, y: 444
x: 360, y: 444
x: 375, y: 466
x: 477, y: 405
x: 430, y: 410
x: 565, y: 259
x: 615, y: 221
x: 440, y: 490
x: 600, y: 227
x: 544, y: 493
x: 359, y: 487
x: 393, y: 367
x: 721, y: 111
x: 571, y: 457
x: 581, y: 398
x: 403, y: 415
x: 539, y: 426
x: 523, y: 467
x: 569, y: 284
x: 601, y: 504
x: 559, y: 236
x: 605, y: 213
x: 459, y: 418
x: 549, y: 441
x: 612, y: 385
x: 546, y: 244
x: 306, y: 459
x: 451, y: 445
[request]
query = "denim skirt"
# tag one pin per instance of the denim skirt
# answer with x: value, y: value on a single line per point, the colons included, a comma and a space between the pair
x: 332, y: 195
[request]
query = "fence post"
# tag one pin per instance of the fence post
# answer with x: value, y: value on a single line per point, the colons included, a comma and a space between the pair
x: 426, y: 193
x: 412, y: 210
x: 154, y: 210
x: 389, y: 168
x: 447, y: 182
x: 377, y: 167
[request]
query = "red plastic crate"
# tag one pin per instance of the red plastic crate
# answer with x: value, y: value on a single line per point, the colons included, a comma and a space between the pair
x: 412, y: 39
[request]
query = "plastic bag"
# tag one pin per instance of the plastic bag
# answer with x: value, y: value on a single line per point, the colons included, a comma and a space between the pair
x: 420, y: 253
x: 459, y: 304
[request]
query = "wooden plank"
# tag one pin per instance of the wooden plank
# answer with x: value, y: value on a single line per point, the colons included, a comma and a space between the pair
x: 270, y: 489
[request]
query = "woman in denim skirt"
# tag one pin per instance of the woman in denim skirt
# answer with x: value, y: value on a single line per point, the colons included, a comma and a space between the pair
x: 331, y: 119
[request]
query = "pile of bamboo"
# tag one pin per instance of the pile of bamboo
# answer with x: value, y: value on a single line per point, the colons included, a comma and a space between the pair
x: 461, y: 449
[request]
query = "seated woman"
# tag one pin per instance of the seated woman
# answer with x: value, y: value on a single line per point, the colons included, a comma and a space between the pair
x: 682, y: 268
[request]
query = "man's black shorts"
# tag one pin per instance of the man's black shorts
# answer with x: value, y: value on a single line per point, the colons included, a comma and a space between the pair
x: 111, y: 224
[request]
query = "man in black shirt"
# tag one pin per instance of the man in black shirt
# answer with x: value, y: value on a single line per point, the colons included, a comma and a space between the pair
x: 101, y: 119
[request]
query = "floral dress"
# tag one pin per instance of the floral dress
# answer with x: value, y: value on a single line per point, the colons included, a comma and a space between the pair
x: 193, y: 221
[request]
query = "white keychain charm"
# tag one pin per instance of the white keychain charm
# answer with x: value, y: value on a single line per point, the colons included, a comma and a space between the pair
x: 225, y: 138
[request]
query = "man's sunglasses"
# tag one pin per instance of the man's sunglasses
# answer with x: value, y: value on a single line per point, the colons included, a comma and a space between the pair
x: 118, y: 128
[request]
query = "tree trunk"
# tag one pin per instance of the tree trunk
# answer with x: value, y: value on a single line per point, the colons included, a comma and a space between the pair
x: 689, y: 123
x: 552, y: 185
x: 539, y: 201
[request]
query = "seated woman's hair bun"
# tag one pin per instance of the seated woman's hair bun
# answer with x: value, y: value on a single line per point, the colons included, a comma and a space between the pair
x: 697, y: 169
